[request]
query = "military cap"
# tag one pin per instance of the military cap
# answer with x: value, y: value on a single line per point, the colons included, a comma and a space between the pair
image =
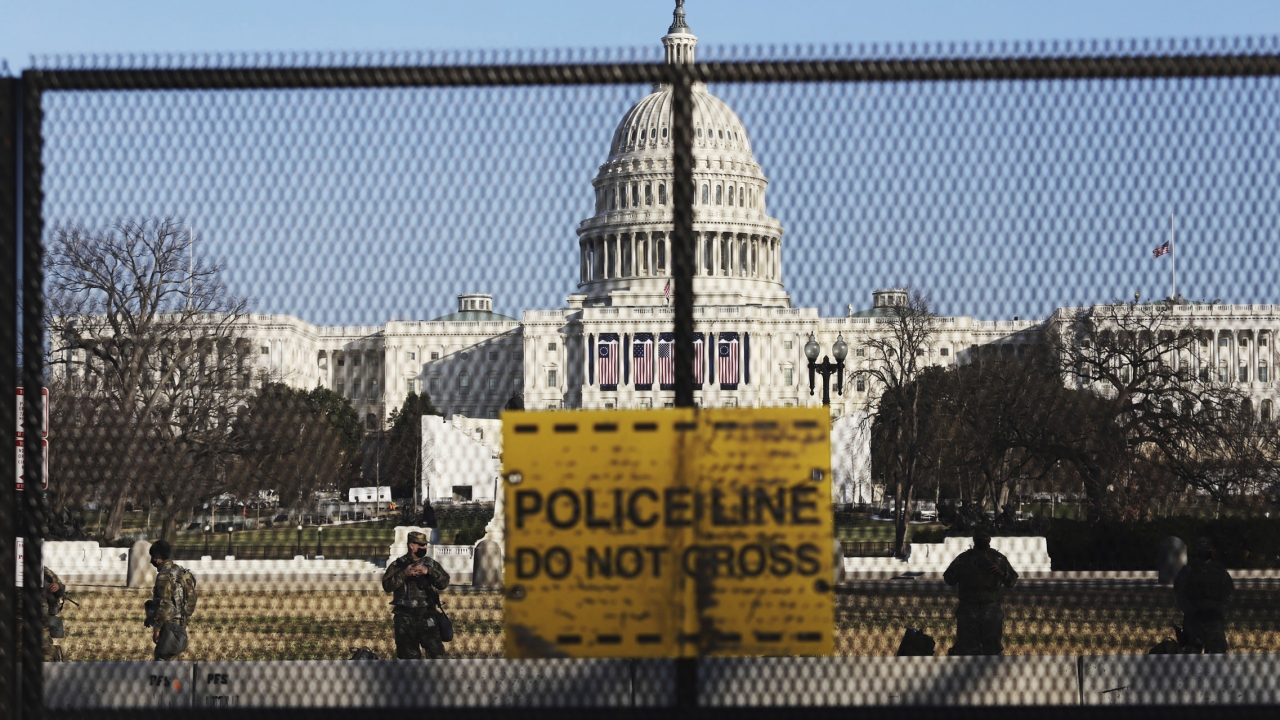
x: 417, y: 537
x: 160, y: 550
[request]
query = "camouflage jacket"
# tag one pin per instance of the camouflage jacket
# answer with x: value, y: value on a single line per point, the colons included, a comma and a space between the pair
x: 54, y: 600
x: 169, y: 596
x: 411, y: 594
x: 1203, y: 586
x: 972, y: 571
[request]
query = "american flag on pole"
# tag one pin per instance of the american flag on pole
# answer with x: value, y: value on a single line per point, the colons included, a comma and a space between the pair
x: 1162, y: 250
x: 666, y: 291
x: 666, y: 366
x: 607, y: 361
x: 698, y: 363
x: 727, y: 360
x: 642, y: 360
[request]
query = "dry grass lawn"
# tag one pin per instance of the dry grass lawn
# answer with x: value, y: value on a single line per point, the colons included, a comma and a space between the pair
x: 271, y: 625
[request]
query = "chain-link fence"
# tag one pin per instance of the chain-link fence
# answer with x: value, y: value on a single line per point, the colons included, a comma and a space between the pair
x: 282, y: 308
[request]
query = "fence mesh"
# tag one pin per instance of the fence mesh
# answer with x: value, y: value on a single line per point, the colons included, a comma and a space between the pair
x: 288, y: 304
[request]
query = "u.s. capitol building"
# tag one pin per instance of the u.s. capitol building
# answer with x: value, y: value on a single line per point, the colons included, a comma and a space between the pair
x: 610, y: 346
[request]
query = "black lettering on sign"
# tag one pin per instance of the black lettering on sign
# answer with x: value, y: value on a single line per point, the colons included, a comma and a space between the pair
x: 800, y: 502
x: 600, y: 561
x: 216, y: 679
x: 528, y: 563
x: 807, y: 559
x: 574, y: 509
x: 629, y: 561
x: 751, y: 560
x: 528, y: 502
x: 718, y: 516
x: 592, y: 520
x: 676, y: 505
x: 558, y: 563
x: 633, y: 510
x: 159, y: 680
x: 780, y: 560
x: 777, y: 510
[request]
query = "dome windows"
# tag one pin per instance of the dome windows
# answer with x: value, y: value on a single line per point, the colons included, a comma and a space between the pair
x: 699, y: 133
x: 653, y: 133
x: 719, y: 194
x: 721, y: 134
x: 648, y: 194
x: 662, y: 193
x: 730, y: 195
x: 706, y: 194
x: 664, y: 133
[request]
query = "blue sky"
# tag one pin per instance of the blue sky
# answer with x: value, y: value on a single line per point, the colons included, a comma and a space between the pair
x: 356, y: 206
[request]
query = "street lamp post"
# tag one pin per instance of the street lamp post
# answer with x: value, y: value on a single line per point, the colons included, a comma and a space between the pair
x: 826, y: 368
x: 230, y: 529
x: 299, y: 538
x: 319, y: 546
x: 207, y: 530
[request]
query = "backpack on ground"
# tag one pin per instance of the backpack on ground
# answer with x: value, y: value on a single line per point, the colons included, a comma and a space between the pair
x: 1176, y: 645
x: 916, y: 643
x: 363, y: 653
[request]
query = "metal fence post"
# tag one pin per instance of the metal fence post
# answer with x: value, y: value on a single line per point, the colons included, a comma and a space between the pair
x: 32, y: 500
x: 10, y: 94
x: 682, y: 259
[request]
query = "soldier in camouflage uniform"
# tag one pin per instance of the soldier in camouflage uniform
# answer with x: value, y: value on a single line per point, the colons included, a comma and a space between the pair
x: 981, y: 573
x: 415, y: 582
x: 54, y: 594
x: 167, y: 615
x: 1203, y: 588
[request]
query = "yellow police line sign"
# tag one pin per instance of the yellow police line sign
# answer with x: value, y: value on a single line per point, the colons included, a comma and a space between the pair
x: 668, y: 533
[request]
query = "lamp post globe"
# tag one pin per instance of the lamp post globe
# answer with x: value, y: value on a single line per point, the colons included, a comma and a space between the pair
x: 811, y: 348
x: 840, y: 349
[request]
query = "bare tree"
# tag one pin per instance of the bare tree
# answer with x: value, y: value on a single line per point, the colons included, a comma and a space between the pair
x: 1151, y: 404
x: 897, y: 354
x: 149, y: 336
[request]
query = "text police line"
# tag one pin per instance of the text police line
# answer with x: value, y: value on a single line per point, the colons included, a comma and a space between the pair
x: 630, y: 561
x: 675, y: 507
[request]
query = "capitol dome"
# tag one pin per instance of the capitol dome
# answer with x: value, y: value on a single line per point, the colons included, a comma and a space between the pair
x: 624, y: 249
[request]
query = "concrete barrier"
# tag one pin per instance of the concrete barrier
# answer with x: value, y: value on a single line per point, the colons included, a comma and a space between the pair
x: 83, y: 686
x: 1026, y: 554
x: 1180, y: 679
x: 434, y: 683
x: 723, y: 682
x: 86, y: 562
x: 839, y: 681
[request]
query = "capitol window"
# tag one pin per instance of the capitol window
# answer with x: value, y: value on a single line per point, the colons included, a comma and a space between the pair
x: 1262, y: 372
x: 493, y: 413
x: 373, y: 389
x: 1244, y: 373
x: 945, y: 352
x: 551, y: 347
x: 516, y: 355
x: 1244, y: 341
x: 788, y: 378
x: 517, y: 384
x: 413, y: 356
x: 653, y: 133
x: 861, y: 385
x: 493, y: 384
x: 408, y: 385
x: 551, y: 379
x: 664, y: 133
x: 706, y: 195
x: 493, y: 356
x: 635, y: 194
x: 342, y: 388
x: 464, y: 382
x: 355, y: 389
x: 341, y: 361
x: 1266, y: 411
x: 662, y: 193
x: 648, y: 193
x: 355, y: 359
x: 787, y: 344
x: 699, y: 133
x: 266, y: 350
x: 719, y: 195
x: 730, y: 195
x: 435, y: 356
x: 613, y: 199
x: 435, y: 385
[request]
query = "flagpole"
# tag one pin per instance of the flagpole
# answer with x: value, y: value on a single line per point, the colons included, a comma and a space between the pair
x: 1173, y: 261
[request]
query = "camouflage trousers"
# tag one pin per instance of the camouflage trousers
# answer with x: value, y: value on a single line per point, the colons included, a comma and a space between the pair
x: 1207, y: 630
x: 172, y: 642
x: 414, y: 633
x: 979, y: 629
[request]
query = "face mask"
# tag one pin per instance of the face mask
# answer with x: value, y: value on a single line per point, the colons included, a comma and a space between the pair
x: 420, y: 552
